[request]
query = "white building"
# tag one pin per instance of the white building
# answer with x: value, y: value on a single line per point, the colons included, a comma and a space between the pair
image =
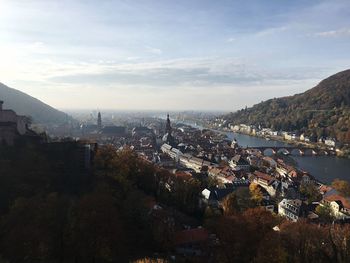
x: 292, y: 209
x: 330, y: 142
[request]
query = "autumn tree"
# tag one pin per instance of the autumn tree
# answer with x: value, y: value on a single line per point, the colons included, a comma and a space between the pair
x: 34, y: 229
x: 306, y: 242
x: 96, y: 229
x: 230, y: 204
x: 271, y: 249
x: 325, y: 213
x: 256, y: 193
x: 342, y: 186
x: 310, y: 191
x: 339, y: 236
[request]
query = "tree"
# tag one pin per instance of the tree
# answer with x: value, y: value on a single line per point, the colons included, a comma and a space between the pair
x: 272, y: 243
x: 325, y: 213
x: 342, y: 186
x: 34, y: 229
x: 96, y: 229
x: 306, y: 242
x: 230, y: 204
x: 310, y: 191
x: 256, y: 194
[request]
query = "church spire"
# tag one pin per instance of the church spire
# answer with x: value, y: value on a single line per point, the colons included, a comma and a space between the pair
x: 99, y: 121
x: 168, y: 125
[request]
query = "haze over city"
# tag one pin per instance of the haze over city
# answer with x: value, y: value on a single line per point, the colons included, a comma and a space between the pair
x: 170, y: 55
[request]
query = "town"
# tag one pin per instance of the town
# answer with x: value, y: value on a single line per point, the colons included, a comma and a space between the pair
x: 221, y: 167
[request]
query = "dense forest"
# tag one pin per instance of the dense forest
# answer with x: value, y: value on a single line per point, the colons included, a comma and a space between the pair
x: 51, y: 211
x: 323, y: 111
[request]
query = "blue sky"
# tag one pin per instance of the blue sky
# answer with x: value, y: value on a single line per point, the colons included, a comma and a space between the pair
x: 170, y: 55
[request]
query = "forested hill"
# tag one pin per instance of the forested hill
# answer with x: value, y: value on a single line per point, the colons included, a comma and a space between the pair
x: 23, y: 104
x: 322, y: 111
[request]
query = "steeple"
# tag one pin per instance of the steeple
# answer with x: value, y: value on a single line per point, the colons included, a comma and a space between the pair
x: 99, y: 121
x: 168, y: 125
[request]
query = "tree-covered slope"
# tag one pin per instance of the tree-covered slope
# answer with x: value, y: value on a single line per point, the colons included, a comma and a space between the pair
x: 323, y: 110
x: 24, y: 104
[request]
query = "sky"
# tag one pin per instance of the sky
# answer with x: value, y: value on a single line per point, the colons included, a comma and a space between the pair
x: 170, y: 55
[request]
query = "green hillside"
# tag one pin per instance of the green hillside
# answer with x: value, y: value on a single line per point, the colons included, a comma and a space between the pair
x: 322, y: 111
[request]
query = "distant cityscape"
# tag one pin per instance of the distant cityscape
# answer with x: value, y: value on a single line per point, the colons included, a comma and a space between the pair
x: 187, y: 151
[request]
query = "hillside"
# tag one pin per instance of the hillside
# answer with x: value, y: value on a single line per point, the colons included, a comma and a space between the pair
x: 322, y: 111
x: 24, y: 104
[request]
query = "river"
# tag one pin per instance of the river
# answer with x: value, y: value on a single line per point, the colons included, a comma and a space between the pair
x: 323, y: 168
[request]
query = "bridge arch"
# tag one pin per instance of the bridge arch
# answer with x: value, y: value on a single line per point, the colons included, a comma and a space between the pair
x: 268, y: 151
x: 309, y: 152
x: 283, y: 151
x: 297, y: 152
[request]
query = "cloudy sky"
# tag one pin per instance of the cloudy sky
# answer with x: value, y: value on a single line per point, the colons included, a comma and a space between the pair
x: 170, y: 55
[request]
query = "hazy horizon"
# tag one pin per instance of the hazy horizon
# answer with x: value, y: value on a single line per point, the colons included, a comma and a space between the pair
x: 167, y: 55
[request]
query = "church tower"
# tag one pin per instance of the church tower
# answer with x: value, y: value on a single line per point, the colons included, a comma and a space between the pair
x: 168, y: 138
x: 168, y: 125
x: 99, y: 121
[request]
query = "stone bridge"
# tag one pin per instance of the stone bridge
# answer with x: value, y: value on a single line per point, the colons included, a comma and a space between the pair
x: 292, y: 150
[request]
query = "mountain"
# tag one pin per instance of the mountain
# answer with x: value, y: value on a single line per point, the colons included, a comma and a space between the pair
x: 321, y: 111
x: 23, y: 104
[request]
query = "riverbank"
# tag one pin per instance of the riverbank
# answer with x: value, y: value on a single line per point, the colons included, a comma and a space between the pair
x: 316, y: 146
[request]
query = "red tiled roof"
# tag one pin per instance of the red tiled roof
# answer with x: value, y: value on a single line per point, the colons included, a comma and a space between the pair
x: 183, y: 175
x: 231, y: 178
x: 336, y: 197
x: 195, y: 235
x: 325, y: 188
x: 263, y: 176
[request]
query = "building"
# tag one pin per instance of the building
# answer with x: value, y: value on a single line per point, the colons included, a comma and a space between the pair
x: 142, y: 131
x: 292, y: 209
x: 265, y: 181
x: 168, y: 137
x: 99, y: 121
x: 339, y: 205
x: 330, y: 142
x: 113, y: 131
x: 237, y: 162
x: 194, y: 163
x: 214, y: 196
x: 12, y: 126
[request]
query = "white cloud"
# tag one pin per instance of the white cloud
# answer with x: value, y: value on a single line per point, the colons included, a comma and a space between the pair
x: 334, y: 33
x: 155, y: 51
x: 271, y: 31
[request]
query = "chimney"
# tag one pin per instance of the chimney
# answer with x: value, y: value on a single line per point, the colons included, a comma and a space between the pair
x: 1, y: 102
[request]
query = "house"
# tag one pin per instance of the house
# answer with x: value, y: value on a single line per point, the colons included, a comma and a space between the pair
x: 215, y: 195
x: 339, y: 205
x: 163, y: 160
x: 288, y: 136
x: 194, y: 163
x: 113, y: 131
x: 285, y: 170
x: 223, y: 174
x: 292, y: 209
x: 265, y: 181
x: 330, y: 142
x: 142, y: 132
x: 238, y: 162
x: 171, y: 151
x: 271, y: 162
